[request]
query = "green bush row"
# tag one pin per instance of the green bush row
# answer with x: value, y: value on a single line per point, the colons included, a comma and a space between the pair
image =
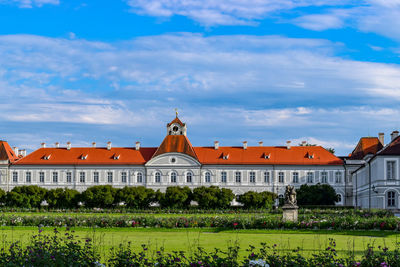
x: 139, y: 197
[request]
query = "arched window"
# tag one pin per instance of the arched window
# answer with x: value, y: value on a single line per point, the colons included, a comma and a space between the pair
x: 207, y: 177
x: 139, y: 177
x: 238, y: 177
x: 189, y: 177
x: 173, y: 177
x: 266, y: 177
x: 223, y: 177
x: 252, y: 177
x: 338, y: 177
x: 157, y: 177
x: 391, y: 199
x: 339, y: 198
x: 310, y: 177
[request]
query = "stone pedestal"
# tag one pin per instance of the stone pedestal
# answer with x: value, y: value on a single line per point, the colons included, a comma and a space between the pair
x: 290, y: 213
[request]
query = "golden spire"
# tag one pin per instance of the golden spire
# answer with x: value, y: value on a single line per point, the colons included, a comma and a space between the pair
x: 176, y: 112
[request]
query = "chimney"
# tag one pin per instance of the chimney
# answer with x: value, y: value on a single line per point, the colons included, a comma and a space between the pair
x: 216, y: 144
x: 94, y: 144
x: 288, y: 144
x: 303, y: 143
x: 244, y: 144
x: 108, y: 145
x: 137, y: 145
x: 43, y: 145
x: 16, y: 151
x: 261, y: 143
x: 57, y: 144
x: 68, y: 145
x: 22, y: 152
x: 382, y: 138
x: 394, y: 134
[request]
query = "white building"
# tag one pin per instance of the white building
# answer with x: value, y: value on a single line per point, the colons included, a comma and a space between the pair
x: 177, y: 162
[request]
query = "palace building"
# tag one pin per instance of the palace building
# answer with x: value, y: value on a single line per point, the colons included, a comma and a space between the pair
x: 177, y: 163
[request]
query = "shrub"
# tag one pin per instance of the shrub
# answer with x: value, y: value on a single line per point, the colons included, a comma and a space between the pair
x: 30, y: 196
x: 175, y: 197
x: 319, y: 194
x: 212, y: 197
x: 99, y: 196
x: 138, y: 197
x: 62, y: 198
x: 257, y: 200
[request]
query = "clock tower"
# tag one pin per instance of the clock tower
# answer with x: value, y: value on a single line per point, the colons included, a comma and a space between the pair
x: 176, y: 127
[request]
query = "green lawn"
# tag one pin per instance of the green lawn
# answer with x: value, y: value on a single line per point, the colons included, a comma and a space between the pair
x: 186, y: 239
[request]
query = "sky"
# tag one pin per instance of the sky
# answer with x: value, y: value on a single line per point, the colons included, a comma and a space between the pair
x: 326, y: 72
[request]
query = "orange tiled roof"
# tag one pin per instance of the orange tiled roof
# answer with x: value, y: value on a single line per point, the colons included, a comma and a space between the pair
x: 366, y: 145
x: 95, y: 156
x: 393, y: 148
x: 278, y: 155
x: 7, y: 153
x: 176, y: 143
x: 176, y: 120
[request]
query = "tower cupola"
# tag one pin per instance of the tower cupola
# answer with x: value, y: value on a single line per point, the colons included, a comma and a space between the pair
x: 176, y: 126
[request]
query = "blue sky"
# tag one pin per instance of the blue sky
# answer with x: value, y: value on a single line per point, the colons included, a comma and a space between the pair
x: 256, y: 70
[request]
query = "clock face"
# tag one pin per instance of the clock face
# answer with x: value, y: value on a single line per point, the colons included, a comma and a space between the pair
x: 175, y: 128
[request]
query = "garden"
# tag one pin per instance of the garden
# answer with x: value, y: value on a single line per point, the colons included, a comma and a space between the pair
x: 104, y: 226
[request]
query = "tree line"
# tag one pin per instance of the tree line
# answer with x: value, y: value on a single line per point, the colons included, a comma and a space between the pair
x: 138, y: 197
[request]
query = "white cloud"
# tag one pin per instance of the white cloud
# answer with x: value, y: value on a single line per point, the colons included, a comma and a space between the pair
x: 320, y: 22
x: 30, y: 3
x: 228, y: 12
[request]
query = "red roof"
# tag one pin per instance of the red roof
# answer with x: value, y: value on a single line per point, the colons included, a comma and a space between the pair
x: 176, y: 120
x: 7, y: 153
x: 393, y: 148
x: 278, y: 155
x: 92, y: 155
x: 366, y: 145
x: 176, y: 143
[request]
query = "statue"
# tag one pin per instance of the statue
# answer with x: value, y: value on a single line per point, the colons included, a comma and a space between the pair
x: 290, y: 196
x: 290, y: 209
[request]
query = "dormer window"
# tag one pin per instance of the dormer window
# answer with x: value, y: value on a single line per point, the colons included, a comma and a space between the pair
x: 309, y: 155
x: 83, y: 157
x: 116, y: 157
x: 224, y: 156
x: 266, y: 156
x: 47, y: 157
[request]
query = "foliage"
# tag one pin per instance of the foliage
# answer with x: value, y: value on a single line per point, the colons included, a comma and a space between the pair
x: 212, y: 197
x: 255, y: 200
x: 27, y: 196
x: 138, y: 197
x: 62, y: 198
x: 99, y: 196
x: 175, y: 197
x: 319, y: 194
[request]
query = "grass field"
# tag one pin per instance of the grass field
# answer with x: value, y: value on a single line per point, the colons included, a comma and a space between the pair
x: 187, y: 239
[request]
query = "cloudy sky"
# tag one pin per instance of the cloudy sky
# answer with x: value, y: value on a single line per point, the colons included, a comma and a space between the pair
x: 257, y: 70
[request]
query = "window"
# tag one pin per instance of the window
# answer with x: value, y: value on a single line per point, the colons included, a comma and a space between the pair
x: 173, y: 177
x: 390, y: 170
x: 139, y: 177
x: 391, y: 200
x: 189, y: 177
x: 238, y: 177
x: 41, y: 177
x: 96, y: 177
x: 338, y: 177
x: 28, y: 177
x: 207, y: 177
x: 15, y: 177
x: 55, y: 177
x: 281, y: 177
x: 82, y: 177
x: 266, y: 177
x: 109, y: 177
x: 295, y: 177
x: 310, y: 177
x: 324, y: 177
x: 339, y: 198
x: 123, y: 177
x: 223, y: 177
x: 252, y: 177
x: 157, y: 177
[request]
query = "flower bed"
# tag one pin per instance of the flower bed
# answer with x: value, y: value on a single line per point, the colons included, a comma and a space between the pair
x: 226, y: 222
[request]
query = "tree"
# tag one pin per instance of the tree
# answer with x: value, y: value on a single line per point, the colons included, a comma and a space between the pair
x: 330, y: 149
x: 319, y: 194
x: 138, y: 197
x: 2, y: 195
x: 212, y: 197
x: 27, y: 196
x: 99, y: 196
x: 62, y: 198
x: 257, y: 200
x: 175, y: 197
